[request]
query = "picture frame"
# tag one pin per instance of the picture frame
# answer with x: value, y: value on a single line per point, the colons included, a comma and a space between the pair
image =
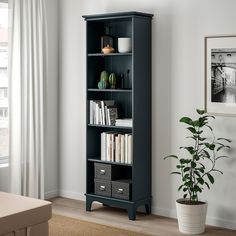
x: 220, y: 74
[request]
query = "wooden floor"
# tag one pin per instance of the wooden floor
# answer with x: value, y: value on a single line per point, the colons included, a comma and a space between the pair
x: 149, y: 224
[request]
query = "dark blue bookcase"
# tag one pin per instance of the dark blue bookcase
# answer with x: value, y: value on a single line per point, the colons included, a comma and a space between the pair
x: 134, y: 102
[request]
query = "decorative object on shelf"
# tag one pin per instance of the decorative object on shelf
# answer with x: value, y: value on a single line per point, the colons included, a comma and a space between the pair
x: 121, y: 81
x: 124, y: 80
x: 108, y: 49
x: 102, y: 84
x: 220, y: 77
x: 106, y: 40
x: 112, y: 80
x: 196, y: 171
x: 124, y: 45
x: 104, y: 76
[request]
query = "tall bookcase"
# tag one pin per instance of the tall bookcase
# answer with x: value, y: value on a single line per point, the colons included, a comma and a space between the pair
x: 132, y: 102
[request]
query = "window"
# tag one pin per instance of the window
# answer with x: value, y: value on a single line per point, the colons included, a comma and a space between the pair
x: 4, y: 103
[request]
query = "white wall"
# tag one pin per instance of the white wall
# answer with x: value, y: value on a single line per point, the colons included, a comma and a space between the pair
x: 51, y: 158
x: 179, y: 28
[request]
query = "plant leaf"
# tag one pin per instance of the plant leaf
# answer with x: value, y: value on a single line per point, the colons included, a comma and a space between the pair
x: 192, y: 130
x: 222, y: 157
x: 225, y: 139
x: 210, y: 177
x: 173, y: 156
x: 176, y: 173
x: 180, y: 187
x: 207, y: 185
x: 193, y: 164
x: 200, y: 112
x: 209, y: 127
x: 186, y: 169
x: 200, y: 180
x: 217, y: 171
x: 219, y: 148
x: 186, y: 120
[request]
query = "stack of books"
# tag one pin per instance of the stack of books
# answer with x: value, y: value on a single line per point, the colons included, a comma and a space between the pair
x: 117, y: 147
x: 128, y: 122
x: 103, y: 112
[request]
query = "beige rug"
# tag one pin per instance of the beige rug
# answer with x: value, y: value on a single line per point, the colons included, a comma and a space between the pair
x: 65, y: 226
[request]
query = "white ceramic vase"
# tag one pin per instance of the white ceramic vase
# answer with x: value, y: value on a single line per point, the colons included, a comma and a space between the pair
x: 124, y: 45
x: 191, y: 218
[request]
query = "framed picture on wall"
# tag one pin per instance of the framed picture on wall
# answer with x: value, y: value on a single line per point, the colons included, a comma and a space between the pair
x: 220, y: 74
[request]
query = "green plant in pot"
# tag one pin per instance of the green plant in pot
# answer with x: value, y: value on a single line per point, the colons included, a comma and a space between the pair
x: 196, y: 170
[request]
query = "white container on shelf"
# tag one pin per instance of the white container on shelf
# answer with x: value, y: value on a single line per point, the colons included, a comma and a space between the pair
x: 124, y: 45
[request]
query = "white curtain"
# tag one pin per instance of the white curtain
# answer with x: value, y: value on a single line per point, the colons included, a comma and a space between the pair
x: 27, y: 74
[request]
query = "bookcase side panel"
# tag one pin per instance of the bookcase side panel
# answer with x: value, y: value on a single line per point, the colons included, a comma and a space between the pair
x: 141, y: 108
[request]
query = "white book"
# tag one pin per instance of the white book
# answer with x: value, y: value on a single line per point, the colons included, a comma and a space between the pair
x: 126, y: 148
x: 122, y: 148
x: 100, y: 116
x: 118, y: 148
x: 108, y: 147
x: 103, y: 113
x: 96, y: 114
x: 106, y: 116
x: 103, y: 146
x: 130, y: 149
x: 112, y: 143
x: 91, y: 112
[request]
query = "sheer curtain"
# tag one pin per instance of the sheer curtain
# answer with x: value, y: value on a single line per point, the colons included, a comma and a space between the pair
x: 27, y: 76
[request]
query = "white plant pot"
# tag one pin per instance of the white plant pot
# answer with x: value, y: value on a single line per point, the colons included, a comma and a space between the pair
x: 191, y: 218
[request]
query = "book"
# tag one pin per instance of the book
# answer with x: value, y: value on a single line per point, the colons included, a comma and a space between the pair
x: 117, y: 148
x: 126, y: 148
x: 124, y: 122
x: 91, y: 112
x: 112, y: 115
x: 103, y: 146
x: 122, y: 148
x: 130, y: 149
x: 104, y: 105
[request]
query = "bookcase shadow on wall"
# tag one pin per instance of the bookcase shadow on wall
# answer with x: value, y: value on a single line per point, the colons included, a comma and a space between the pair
x: 115, y: 183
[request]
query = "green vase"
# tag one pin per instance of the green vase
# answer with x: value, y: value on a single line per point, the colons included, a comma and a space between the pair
x: 112, y: 80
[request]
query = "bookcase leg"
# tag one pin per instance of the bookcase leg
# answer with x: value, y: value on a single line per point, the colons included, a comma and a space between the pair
x: 132, y: 213
x: 148, y: 208
x: 88, y: 204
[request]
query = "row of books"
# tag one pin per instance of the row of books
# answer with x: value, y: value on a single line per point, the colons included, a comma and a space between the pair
x: 117, y: 147
x: 103, y: 112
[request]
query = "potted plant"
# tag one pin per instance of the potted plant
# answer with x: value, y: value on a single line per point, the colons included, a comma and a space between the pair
x: 196, y: 170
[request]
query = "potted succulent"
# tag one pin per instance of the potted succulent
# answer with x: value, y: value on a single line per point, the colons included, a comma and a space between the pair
x: 196, y: 170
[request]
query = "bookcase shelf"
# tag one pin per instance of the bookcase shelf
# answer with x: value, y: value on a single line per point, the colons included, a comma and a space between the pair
x: 134, y: 102
x: 110, y: 90
x: 110, y: 127
x: 108, y: 162
x: 109, y: 54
